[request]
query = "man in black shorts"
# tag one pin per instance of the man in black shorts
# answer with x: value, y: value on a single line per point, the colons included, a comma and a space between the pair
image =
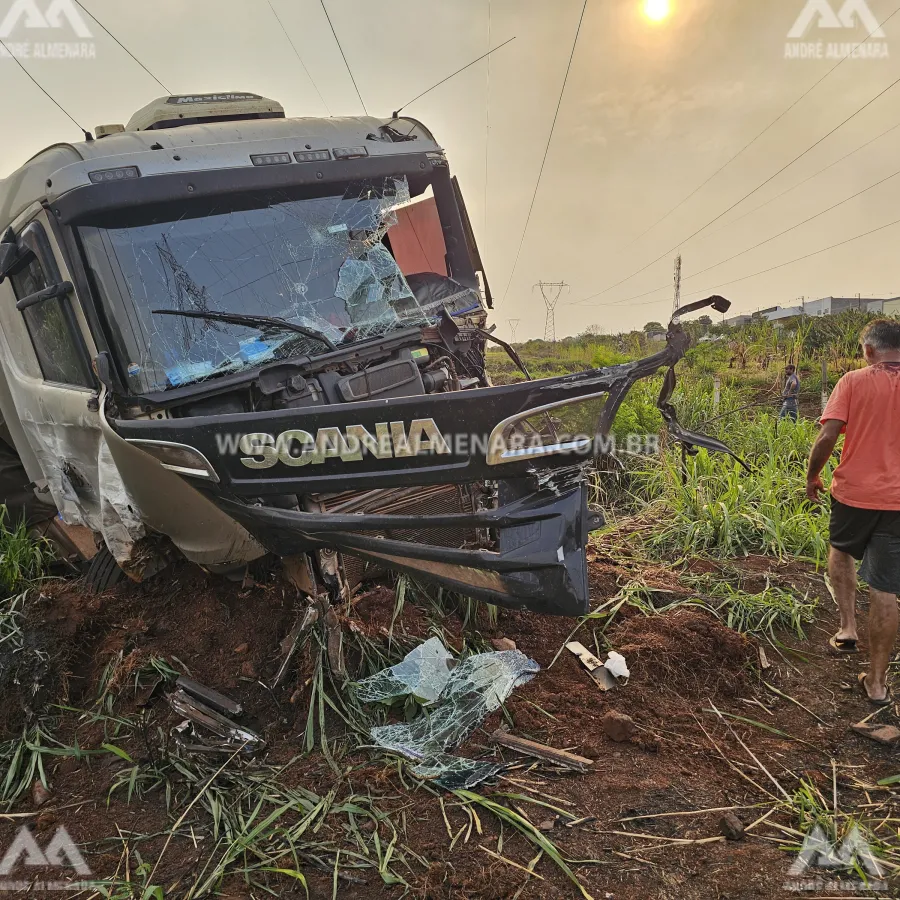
x: 865, y: 506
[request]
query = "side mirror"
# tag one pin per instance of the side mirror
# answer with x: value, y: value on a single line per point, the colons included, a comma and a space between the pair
x: 9, y: 253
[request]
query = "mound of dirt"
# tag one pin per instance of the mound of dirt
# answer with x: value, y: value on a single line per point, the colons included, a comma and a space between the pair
x: 688, y: 651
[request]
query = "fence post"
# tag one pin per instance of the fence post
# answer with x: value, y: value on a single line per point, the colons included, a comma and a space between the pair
x: 824, y: 383
x: 717, y: 393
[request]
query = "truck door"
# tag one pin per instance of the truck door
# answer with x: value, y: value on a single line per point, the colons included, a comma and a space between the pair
x: 46, y: 349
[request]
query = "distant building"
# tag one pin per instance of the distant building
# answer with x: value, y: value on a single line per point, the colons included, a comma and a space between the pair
x: 831, y: 306
x: 826, y: 306
x: 781, y: 316
x: 656, y: 336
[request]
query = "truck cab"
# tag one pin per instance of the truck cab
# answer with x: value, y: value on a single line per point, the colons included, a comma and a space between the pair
x: 226, y: 334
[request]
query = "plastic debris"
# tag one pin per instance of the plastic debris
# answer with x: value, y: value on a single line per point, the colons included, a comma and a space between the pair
x: 458, y: 700
x: 615, y: 664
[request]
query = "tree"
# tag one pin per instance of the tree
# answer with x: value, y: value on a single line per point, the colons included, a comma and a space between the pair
x: 705, y: 321
x: 653, y: 326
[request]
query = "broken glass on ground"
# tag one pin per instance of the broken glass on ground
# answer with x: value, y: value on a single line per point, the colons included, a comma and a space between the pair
x: 469, y: 693
x: 423, y: 672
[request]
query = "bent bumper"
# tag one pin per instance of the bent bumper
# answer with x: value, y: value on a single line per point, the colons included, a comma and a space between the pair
x: 540, y: 563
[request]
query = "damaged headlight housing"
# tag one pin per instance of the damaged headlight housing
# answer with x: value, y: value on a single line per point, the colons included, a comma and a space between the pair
x: 179, y: 458
x: 541, y: 431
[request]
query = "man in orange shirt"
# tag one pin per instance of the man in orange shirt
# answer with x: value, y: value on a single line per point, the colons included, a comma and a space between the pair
x: 865, y: 505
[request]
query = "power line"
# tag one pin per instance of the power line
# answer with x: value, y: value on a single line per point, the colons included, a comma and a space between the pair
x: 788, y: 263
x: 47, y: 94
x: 343, y: 55
x: 444, y: 80
x: 809, y: 178
x: 748, y: 195
x: 755, y: 246
x: 766, y: 129
x: 123, y: 46
x: 546, y: 152
x: 299, y: 57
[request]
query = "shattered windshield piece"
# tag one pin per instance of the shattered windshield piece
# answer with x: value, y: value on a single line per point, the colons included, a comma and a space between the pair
x: 476, y: 688
x: 453, y: 773
x: 319, y: 262
x: 423, y: 672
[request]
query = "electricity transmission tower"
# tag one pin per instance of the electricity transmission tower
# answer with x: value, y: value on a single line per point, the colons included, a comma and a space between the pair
x: 513, y: 325
x: 551, y: 291
x: 677, y: 284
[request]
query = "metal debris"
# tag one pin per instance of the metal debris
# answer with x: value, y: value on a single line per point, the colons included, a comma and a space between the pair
x: 230, y: 735
x: 210, y: 697
x: 598, y: 671
x: 292, y: 641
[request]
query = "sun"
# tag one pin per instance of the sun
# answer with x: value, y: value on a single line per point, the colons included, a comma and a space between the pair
x: 656, y: 10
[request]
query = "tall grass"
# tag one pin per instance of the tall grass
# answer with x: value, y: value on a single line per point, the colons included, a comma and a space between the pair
x: 712, y: 504
x: 22, y: 557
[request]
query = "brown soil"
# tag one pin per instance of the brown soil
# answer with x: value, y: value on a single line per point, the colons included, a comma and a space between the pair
x: 688, y: 652
x: 684, y: 666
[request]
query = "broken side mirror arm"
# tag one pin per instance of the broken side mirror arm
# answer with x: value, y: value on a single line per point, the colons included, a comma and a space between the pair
x: 53, y: 292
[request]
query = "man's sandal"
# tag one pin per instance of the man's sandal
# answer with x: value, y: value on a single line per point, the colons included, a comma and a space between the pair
x: 887, y: 700
x: 843, y: 645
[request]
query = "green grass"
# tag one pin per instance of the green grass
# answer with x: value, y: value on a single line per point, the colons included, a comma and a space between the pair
x: 23, y: 559
x: 713, y: 506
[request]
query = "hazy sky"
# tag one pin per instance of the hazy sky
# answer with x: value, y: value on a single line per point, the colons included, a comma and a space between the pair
x: 651, y: 110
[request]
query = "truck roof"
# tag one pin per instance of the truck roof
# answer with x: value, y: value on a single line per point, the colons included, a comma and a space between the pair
x: 217, y: 145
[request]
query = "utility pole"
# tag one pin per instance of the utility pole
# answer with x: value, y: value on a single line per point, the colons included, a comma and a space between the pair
x: 513, y: 325
x: 677, y: 305
x: 551, y: 291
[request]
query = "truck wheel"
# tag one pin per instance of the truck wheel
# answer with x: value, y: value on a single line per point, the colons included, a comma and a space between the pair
x: 104, y: 572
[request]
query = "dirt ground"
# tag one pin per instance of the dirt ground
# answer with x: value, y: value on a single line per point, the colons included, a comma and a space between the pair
x: 644, y: 822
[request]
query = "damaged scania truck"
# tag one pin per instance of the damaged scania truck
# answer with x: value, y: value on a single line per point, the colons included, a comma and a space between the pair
x: 226, y: 334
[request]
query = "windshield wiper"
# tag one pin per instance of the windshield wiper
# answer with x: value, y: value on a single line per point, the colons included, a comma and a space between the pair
x: 249, y: 320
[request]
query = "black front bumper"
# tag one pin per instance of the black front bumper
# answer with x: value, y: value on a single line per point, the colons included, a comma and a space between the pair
x: 539, y: 526
x: 539, y: 565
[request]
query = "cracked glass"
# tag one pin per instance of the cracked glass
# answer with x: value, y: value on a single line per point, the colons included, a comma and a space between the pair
x: 322, y: 263
x: 466, y: 696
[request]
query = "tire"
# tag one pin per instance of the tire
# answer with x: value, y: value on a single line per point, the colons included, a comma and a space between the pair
x: 103, y: 572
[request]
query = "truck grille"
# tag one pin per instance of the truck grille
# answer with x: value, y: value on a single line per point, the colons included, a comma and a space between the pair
x: 429, y: 500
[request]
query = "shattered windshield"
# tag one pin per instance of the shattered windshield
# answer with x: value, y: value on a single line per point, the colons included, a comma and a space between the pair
x: 322, y: 263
